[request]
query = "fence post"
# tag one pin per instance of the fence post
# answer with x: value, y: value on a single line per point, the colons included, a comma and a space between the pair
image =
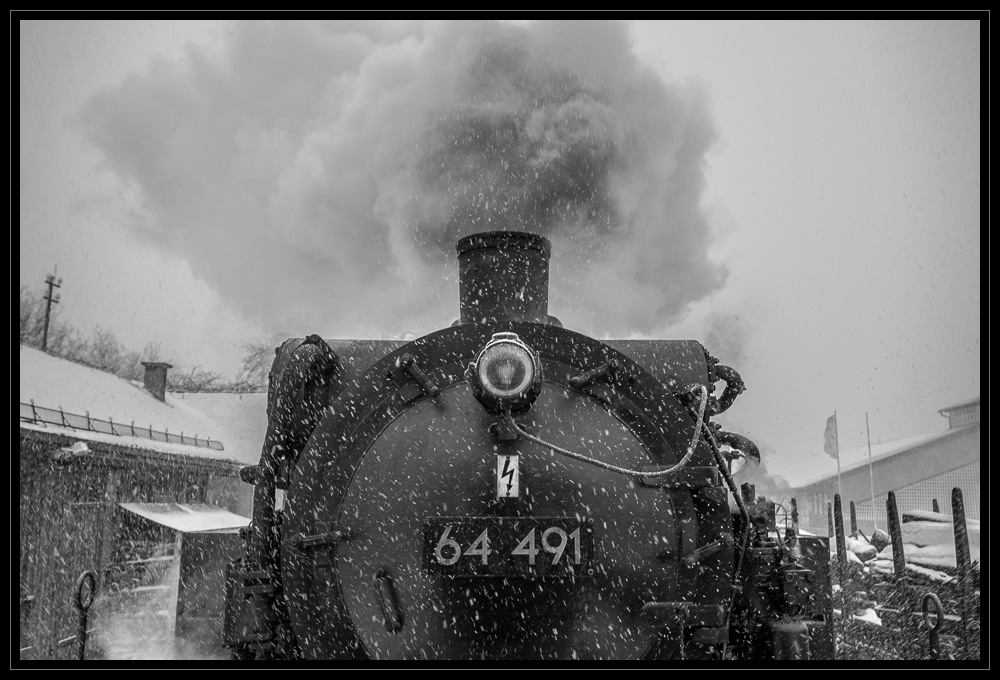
x: 963, y: 560
x: 934, y: 505
x: 896, y: 535
x: 846, y: 592
x: 854, y: 519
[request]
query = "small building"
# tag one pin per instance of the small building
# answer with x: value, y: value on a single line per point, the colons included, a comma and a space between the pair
x: 95, y: 452
x: 163, y: 589
x: 920, y: 470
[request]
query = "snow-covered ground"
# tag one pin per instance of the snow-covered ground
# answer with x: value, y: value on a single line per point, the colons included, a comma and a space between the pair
x: 928, y: 546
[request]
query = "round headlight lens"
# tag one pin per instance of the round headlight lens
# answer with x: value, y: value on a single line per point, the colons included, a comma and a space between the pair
x: 506, y: 374
x: 506, y: 370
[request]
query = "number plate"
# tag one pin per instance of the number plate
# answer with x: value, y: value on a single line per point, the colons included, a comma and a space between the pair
x: 508, y: 546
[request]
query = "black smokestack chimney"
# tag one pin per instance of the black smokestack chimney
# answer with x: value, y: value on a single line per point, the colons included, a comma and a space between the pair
x: 155, y: 379
x: 504, y: 276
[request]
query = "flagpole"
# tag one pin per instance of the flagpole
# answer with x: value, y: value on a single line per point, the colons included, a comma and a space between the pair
x: 836, y: 438
x: 871, y: 475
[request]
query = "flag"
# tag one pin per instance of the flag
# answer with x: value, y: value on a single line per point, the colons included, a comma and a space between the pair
x: 830, y: 444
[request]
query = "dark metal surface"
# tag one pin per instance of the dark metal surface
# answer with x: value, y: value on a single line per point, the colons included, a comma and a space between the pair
x: 933, y: 642
x: 382, y: 463
x: 669, y: 361
x: 815, y: 556
x: 426, y: 383
x: 838, y: 525
x: 503, y: 276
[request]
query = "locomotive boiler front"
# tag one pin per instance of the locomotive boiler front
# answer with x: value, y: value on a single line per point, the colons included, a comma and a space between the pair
x: 421, y: 522
x: 504, y: 488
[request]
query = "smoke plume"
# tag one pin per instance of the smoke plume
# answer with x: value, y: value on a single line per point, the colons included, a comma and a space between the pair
x: 319, y: 174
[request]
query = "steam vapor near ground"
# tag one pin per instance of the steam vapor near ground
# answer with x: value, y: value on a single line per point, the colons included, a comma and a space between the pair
x: 319, y: 174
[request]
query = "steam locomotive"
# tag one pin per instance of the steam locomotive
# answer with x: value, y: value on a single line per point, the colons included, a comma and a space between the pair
x: 506, y: 488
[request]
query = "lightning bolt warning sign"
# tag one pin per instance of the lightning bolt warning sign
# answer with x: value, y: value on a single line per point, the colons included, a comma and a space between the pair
x: 508, y: 477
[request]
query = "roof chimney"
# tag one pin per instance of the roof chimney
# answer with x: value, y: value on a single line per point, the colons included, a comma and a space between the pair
x: 504, y: 276
x: 155, y: 379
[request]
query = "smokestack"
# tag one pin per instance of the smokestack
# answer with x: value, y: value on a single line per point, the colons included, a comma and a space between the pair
x: 504, y: 276
x: 155, y: 379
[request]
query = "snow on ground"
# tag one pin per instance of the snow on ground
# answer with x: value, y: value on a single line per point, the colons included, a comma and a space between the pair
x: 927, y: 547
x: 869, y: 615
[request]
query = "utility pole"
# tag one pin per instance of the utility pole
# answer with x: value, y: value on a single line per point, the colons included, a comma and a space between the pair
x: 51, y: 299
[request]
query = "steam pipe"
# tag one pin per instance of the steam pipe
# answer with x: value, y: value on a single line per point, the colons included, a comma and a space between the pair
x: 734, y: 387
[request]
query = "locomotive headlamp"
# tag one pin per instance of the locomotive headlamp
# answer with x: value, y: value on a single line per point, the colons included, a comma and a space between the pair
x: 506, y: 375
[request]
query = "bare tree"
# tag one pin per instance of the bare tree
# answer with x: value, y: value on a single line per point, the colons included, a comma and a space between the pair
x: 31, y: 317
x: 63, y: 340
x: 195, y: 380
x: 257, y: 362
x: 104, y: 352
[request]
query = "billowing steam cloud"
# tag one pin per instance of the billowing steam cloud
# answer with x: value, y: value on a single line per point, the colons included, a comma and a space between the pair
x: 319, y: 174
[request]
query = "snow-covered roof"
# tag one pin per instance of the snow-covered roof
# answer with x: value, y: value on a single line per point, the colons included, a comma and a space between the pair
x: 188, y: 517
x: 857, y: 457
x: 126, y: 441
x: 53, y: 383
x: 243, y: 414
x: 953, y: 407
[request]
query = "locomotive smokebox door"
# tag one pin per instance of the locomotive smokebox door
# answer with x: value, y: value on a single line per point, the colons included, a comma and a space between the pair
x: 509, y: 489
x: 432, y: 555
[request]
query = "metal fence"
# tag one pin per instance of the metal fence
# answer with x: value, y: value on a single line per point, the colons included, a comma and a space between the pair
x: 38, y: 414
x: 915, y: 617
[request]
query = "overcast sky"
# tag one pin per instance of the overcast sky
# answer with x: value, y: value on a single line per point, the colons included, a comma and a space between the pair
x: 802, y: 197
